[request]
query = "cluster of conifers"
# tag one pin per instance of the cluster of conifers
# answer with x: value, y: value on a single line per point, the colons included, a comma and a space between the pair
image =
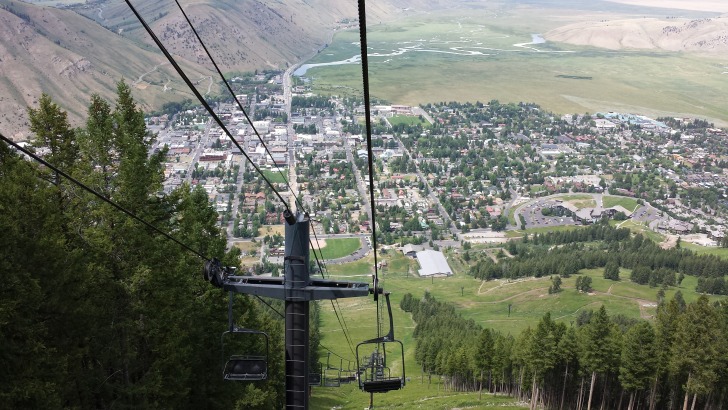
x: 678, y: 360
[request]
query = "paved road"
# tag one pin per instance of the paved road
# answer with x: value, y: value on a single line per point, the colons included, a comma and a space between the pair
x: 360, y: 185
x: 531, y: 210
x: 287, y: 97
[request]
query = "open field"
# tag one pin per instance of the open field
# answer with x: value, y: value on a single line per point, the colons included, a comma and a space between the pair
x: 487, y: 303
x: 702, y: 5
x: 274, y: 176
x: 588, y: 203
x: 710, y: 250
x: 246, y: 246
x: 574, y: 197
x: 408, y: 120
x: 639, y: 228
x: 628, y: 203
x: 272, y: 230
x: 338, y: 248
x: 479, y: 58
x: 542, y: 229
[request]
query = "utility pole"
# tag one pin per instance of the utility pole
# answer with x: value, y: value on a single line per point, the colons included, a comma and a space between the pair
x: 297, y: 289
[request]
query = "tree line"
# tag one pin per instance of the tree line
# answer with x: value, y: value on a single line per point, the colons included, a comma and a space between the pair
x: 96, y: 310
x: 564, y: 253
x: 678, y: 361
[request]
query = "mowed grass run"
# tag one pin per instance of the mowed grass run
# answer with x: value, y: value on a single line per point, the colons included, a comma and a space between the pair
x: 710, y: 250
x: 487, y: 303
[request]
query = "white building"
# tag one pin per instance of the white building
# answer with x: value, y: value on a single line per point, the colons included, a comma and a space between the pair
x: 433, y: 263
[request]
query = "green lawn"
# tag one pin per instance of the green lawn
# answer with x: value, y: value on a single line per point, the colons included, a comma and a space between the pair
x: 628, y: 203
x: 575, y: 197
x: 408, y: 120
x: 542, y: 229
x: 586, y: 203
x: 340, y: 247
x: 362, y: 267
x: 710, y: 250
x: 639, y: 228
x: 276, y: 177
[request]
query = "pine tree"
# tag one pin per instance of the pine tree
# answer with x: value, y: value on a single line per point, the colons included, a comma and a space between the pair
x: 611, y: 271
x: 31, y: 370
x: 639, y: 360
x: 599, y: 350
x: 698, y: 342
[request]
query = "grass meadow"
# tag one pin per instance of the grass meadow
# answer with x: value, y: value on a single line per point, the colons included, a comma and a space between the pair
x: 464, y: 59
x: 340, y: 247
x: 710, y: 250
x: 274, y: 176
x: 629, y: 204
x: 487, y: 303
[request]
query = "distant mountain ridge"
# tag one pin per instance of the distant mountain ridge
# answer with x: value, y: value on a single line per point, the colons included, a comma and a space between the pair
x: 84, y: 49
x: 701, y: 35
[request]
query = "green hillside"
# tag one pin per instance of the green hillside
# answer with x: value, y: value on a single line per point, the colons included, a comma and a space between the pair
x: 487, y: 304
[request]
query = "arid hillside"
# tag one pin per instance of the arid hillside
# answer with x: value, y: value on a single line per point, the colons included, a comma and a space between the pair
x: 83, y: 49
x: 70, y: 57
x: 719, y: 6
x: 704, y: 35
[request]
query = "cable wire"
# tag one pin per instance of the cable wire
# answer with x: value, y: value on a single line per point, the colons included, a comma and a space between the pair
x: 370, y: 155
x: 202, y: 100
x: 334, y: 353
x: 101, y: 197
x: 227, y: 132
x: 245, y: 113
x: 339, y: 317
x: 114, y: 204
x: 240, y: 105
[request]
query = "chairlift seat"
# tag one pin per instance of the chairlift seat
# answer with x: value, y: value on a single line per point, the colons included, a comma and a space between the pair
x: 314, y: 379
x: 243, y: 367
x: 382, y: 386
x: 374, y: 375
x: 246, y: 368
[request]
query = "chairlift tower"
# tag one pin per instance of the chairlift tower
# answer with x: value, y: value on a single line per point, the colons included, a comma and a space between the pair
x: 297, y: 289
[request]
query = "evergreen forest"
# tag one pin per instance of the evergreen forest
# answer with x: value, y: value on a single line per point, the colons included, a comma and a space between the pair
x: 98, y: 310
x: 678, y: 361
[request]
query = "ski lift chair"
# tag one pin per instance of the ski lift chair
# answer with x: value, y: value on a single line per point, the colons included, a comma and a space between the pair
x: 331, y: 375
x: 242, y: 367
x: 375, y: 376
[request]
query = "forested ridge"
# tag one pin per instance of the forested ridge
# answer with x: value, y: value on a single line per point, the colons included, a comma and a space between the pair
x: 678, y: 361
x: 97, y: 310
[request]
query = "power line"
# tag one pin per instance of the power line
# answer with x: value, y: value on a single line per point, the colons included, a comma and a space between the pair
x: 219, y: 72
x: 201, y: 98
x: 220, y: 123
x: 114, y: 204
x: 370, y: 155
x: 232, y: 93
x: 103, y: 198
x: 340, y: 318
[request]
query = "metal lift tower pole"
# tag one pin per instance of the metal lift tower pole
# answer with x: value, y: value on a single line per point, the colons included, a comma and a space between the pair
x: 297, y: 313
x: 297, y: 289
